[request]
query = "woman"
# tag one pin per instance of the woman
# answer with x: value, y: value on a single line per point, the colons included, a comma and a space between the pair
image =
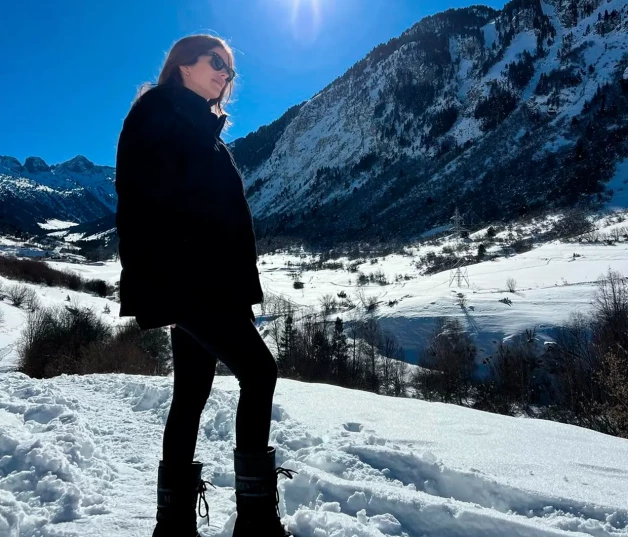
x: 188, y: 255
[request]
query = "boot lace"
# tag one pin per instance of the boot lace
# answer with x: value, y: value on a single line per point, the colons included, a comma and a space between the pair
x: 202, y: 488
x: 286, y: 472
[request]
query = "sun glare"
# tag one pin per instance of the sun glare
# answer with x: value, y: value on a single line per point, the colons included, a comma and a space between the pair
x: 305, y: 19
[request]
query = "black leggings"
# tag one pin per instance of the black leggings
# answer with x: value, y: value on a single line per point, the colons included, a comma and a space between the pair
x: 196, y: 344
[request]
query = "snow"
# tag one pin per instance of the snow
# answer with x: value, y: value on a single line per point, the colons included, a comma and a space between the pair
x: 465, y: 129
x: 490, y: 34
x: 367, y: 465
x: 521, y: 42
x: 79, y: 454
x: 619, y: 185
x: 56, y: 224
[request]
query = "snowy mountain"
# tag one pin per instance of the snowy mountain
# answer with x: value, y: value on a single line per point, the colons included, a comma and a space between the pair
x: 500, y: 113
x: 75, y: 191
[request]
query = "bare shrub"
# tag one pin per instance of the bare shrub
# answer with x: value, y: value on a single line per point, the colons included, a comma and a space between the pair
x: 511, y: 285
x: 54, y: 339
x: 515, y: 370
x: 73, y: 340
x: 98, y: 287
x: 131, y: 350
x: 31, y: 301
x: 17, y: 294
x: 611, y: 301
x: 380, y: 277
x: 613, y: 379
x: 392, y: 367
x: 450, y: 354
x: 328, y: 304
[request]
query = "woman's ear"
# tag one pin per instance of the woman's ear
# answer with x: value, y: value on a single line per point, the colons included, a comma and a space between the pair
x: 185, y: 71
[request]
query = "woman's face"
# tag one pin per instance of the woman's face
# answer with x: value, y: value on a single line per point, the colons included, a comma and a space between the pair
x: 203, y: 78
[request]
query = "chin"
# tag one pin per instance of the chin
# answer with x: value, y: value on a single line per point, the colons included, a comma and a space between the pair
x: 211, y: 95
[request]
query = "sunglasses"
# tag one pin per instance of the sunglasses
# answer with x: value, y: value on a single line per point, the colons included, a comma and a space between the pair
x: 219, y: 64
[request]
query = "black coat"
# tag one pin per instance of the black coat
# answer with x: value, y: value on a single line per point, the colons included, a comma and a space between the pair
x: 185, y: 228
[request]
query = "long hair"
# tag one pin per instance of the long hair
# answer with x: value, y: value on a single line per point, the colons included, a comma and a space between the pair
x: 186, y: 51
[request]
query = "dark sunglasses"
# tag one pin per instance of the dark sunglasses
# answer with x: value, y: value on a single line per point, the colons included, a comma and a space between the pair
x: 219, y: 64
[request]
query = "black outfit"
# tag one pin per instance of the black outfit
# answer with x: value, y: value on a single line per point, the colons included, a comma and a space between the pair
x: 234, y: 339
x: 188, y: 255
x: 186, y: 233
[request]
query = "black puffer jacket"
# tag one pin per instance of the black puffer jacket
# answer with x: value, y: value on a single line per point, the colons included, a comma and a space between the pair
x: 186, y: 233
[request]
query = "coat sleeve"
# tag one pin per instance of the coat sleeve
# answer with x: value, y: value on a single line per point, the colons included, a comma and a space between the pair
x: 154, y: 192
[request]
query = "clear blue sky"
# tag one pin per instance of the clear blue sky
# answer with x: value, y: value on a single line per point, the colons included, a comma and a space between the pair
x: 70, y: 68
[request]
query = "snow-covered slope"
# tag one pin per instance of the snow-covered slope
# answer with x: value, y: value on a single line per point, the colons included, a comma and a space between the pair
x: 76, y: 191
x: 497, y: 112
x: 79, y: 458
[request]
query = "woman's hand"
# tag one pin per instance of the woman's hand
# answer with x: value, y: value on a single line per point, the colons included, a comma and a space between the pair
x: 173, y: 326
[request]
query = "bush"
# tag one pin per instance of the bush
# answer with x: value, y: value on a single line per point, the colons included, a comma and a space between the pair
x: 515, y: 373
x: 572, y: 224
x: 521, y: 246
x: 130, y: 350
x: 511, y: 285
x: 17, y: 294
x: 38, y: 272
x: 298, y: 285
x: 32, y: 301
x: 590, y: 362
x: 450, y: 354
x: 98, y: 287
x: 74, y: 340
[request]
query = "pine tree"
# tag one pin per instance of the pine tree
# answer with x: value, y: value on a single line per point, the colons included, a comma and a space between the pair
x: 288, y: 348
x: 340, y: 353
x: 321, y: 353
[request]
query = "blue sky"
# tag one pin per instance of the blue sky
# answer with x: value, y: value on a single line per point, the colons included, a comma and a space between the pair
x: 70, y: 68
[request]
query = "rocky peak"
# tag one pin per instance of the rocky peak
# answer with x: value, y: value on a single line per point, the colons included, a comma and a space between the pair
x: 11, y: 163
x: 78, y: 164
x: 36, y: 165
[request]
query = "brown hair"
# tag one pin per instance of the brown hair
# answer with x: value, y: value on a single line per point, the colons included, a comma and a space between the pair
x: 186, y: 51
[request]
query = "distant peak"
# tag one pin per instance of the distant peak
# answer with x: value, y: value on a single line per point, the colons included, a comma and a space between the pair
x: 77, y: 164
x: 36, y: 164
x: 11, y: 163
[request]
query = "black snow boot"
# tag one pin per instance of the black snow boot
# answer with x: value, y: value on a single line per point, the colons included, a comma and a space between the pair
x: 177, y: 491
x: 257, y: 497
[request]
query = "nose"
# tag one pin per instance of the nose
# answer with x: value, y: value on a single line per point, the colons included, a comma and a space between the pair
x: 223, y: 74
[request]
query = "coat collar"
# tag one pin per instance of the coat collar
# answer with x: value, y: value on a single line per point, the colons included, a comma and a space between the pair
x: 193, y: 107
